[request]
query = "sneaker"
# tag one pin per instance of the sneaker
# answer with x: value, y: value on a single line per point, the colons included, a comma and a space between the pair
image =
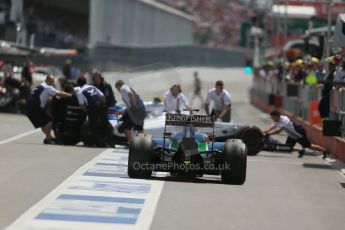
x: 325, y: 154
x: 301, y: 153
x: 49, y: 141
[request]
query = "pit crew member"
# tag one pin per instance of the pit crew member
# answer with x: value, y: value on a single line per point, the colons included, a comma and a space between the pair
x: 174, y: 99
x: 296, y: 134
x: 135, y: 113
x: 36, y: 107
x: 222, y: 102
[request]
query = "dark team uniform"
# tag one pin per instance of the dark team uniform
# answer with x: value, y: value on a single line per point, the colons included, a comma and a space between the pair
x: 108, y: 92
x: 97, y: 114
x: 35, y: 106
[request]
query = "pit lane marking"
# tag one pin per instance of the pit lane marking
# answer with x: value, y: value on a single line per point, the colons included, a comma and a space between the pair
x: 19, y: 136
x: 107, y: 199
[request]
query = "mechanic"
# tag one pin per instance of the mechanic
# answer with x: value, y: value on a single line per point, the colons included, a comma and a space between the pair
x: 67, y: 69
x: 24, y: 92
x: 174, y: 99
x: 222, y: 102
x: 36, y: 107
x: 135, y: 113
x: 92, y: 101
x: 197, y: 88
x: 105, y: 88
x: 296, y: 134
x: 27, y: 71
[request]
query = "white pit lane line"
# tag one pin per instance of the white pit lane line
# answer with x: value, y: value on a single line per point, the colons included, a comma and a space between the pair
x: 19, y: 136
x: 99, y: 195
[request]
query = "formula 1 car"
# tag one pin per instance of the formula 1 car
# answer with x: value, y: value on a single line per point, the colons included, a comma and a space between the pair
x: 71, y: 125
x: 272, y: 145
x: 68, y: 120
x: 188, y: 152
x: 154, y: 125
x: 6, y: 99
x: 9, y: 91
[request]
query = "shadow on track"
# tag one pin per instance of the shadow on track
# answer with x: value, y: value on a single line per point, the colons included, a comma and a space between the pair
x: 317, y: 166
x: 285, y: 156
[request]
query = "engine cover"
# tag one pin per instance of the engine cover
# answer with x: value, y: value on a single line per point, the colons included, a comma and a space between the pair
x: 189, y: 147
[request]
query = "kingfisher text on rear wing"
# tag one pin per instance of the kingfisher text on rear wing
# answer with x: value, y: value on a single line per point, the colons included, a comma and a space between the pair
x: 182, y: 119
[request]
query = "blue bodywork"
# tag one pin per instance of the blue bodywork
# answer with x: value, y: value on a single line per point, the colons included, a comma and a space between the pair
x: 188, y: 145
x: 204, y: 145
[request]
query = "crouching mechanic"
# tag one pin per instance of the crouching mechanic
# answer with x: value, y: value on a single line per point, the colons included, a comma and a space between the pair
x: 36, y: 107
x: 92, y: 101
x: 296, y: 134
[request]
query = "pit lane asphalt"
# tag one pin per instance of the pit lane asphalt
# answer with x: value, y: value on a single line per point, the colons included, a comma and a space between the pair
x: 29, y: 170
x: 281, y: 191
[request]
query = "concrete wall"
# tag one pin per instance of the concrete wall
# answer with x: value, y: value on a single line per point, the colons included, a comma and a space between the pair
x: 108, y: 58
x: 138, y: 23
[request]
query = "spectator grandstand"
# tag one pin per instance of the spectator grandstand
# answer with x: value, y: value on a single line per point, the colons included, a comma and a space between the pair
x: 58, y: 24
x: 54, y: 26
x: 219, y: 21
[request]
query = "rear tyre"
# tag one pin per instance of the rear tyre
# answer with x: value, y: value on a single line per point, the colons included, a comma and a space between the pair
x: 253, y: 138
x: 139, y: 158
x: 235, y: 155
x: 86, y: 135
x: 66, y: 135
x: 89, y: 138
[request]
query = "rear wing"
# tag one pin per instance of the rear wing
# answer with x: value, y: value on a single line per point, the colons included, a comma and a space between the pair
x: 195, y: 120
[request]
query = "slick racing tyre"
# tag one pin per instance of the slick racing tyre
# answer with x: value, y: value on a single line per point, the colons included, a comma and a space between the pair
x: 86, y: 135
x: 66, y: 135
x: 235, y: 155
x: 139, y: 158
x: 253, y: 138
